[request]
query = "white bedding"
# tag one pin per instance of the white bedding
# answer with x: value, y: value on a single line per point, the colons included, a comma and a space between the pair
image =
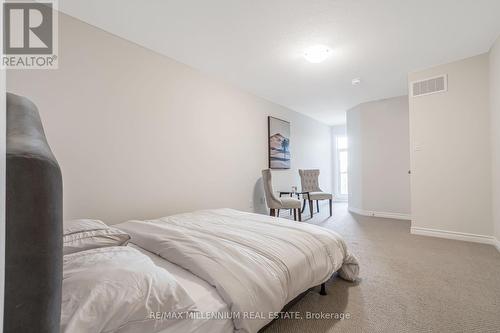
x: 205, y: 297
x: 115, y: 289
x: 257, y: 263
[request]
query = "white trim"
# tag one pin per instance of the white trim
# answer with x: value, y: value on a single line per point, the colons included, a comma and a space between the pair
x: 461, y: 236
x: 387, y: 215
x: 496, y: 243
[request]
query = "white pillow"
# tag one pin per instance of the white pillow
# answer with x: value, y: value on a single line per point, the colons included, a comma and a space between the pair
x: 119, y: 289
x: 84, y: 234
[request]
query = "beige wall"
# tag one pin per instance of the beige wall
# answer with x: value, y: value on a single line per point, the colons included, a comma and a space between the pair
x: 451, y: 172
x: 495, y: 132
x: 139, y: 135
x: 379, y: 158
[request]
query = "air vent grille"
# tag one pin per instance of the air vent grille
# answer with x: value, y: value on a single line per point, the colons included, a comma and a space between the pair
x: 429, y: 86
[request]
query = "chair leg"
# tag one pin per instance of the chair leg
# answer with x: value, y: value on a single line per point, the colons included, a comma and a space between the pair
x: 317, y: 206
x: 294, y: 214
x: 330, y: 207
x: 278, y: 215
x: 271, y: 212
x: 303, y: 206
x: 300, y: 215
x: 311, y: 208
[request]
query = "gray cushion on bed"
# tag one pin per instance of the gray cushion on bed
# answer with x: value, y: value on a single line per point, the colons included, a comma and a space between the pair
x: 33, y: 259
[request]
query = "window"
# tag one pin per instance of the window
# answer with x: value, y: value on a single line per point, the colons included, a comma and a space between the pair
x: 342, y: 165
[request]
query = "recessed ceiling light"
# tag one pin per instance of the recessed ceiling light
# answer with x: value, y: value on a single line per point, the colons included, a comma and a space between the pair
x: 356, y: 81
x: 317, y: 53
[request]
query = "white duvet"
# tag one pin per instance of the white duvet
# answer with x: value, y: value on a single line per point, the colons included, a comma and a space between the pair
x: 257, y: 263
x: 118, y: 289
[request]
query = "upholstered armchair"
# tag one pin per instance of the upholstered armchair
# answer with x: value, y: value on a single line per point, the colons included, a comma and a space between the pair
x: 311, y: 190
x: 274, y: 203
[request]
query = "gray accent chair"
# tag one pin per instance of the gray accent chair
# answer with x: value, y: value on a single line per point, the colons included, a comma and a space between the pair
x: 274, y: 203
x: 309, y: 180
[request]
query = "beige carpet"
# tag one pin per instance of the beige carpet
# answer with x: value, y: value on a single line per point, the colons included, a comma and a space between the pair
x: 408, y: 283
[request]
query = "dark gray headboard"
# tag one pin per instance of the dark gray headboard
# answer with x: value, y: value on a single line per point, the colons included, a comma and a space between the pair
x: 33, y: 249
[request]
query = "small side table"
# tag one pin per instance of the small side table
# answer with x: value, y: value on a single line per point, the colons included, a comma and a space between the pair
x: 289, y: 193
x: 298, y: 194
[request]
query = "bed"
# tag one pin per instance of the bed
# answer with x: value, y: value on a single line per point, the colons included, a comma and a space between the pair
x: 257, y: 263
x: 203, y: 263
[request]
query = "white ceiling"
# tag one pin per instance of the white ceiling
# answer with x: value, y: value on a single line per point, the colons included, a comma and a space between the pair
x: 258, y: 44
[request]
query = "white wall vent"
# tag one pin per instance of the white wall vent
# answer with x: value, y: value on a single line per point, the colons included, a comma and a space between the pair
x: 429, y: 86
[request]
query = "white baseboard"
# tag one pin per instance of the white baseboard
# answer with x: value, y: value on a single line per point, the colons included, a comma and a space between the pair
x: 497, y: 244
x: 462, y: 236
x: 387, y: 215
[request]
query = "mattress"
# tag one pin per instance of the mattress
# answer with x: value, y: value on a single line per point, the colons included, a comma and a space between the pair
x: 204, y: 295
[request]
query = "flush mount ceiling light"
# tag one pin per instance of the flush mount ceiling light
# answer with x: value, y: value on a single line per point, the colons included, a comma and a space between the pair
x: 356, y: 81
x: 317, y: 53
